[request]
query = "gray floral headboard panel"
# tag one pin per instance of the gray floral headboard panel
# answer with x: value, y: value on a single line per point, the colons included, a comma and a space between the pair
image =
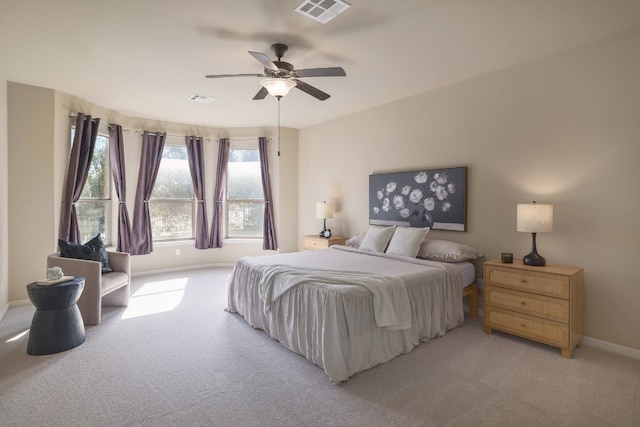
x: 435, y: 198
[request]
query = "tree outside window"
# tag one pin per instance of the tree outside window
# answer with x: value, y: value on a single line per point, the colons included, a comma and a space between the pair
x: 172, y: 203
x: 93, y: 208
x: 244, y: 195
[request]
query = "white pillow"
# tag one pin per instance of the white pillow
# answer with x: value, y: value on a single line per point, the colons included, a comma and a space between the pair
x: 406, y: 241
x: 444, y: 250
x: 356, y: 240
x: 377, y: 239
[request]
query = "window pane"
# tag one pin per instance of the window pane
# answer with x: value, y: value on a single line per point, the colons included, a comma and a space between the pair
x: 244, y: 181
x: 245, y: 219
x: 94, y: 206
x: 97, y: 185
x: 92, y: 218
x: 171, y: 220
x: 174, y: 179
x: 172, y: 202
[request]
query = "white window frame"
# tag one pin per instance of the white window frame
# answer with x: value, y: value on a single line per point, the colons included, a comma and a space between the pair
x: 106, y: 235
x: 240, y: 145
x: 192, y: 201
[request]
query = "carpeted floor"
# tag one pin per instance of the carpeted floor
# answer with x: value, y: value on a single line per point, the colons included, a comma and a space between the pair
x: 176, y: 358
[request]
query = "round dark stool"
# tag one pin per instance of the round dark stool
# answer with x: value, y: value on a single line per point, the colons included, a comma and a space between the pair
x: 57, y: 323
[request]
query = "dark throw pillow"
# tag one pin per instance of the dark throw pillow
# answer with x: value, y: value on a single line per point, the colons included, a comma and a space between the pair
x: 96, y: 243
x: 93, y: 250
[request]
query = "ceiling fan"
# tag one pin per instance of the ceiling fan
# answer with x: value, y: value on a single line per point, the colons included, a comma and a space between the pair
x: 281, y: 76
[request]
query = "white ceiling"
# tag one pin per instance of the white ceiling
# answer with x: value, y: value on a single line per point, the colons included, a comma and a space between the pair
x: 146, y: 57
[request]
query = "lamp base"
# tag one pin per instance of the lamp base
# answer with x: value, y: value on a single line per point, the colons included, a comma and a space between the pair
x: 534, y: 259
x: 326, y: 233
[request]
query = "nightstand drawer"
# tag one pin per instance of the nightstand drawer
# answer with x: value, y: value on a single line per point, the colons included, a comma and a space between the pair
x: 535, y: 305
x: 311, y: 242
x: 539, y: 283
x: 542, y: 330
x: 315, y: 243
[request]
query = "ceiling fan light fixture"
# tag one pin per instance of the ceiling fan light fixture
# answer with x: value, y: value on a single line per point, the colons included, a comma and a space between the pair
x: 277, y: 87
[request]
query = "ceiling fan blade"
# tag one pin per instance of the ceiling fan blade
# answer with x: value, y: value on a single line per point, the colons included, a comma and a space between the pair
x: 321, y: 72
x: 264, y: 60
x: 217, y: 76
x: 307, y: 88
x: 262, y: 93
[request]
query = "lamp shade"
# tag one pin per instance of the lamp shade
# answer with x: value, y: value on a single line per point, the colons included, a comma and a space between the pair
x: 324, y: 210
x: 277, y: 87
x: 535, y: 218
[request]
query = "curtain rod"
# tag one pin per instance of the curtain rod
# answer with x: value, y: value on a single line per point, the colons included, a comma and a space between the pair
x: 242, y: 139
x: 72, y: 114
x: 138, y: 132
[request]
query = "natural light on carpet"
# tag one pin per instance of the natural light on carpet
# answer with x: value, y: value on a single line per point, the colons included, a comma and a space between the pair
x: 17, y: 337
x: 156, y: 297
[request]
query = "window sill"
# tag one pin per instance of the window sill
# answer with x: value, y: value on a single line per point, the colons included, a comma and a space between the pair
x: 167, y: 243
x: 243, y: 241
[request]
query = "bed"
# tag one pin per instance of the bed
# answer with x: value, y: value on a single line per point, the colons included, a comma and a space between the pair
x: 315, y: 310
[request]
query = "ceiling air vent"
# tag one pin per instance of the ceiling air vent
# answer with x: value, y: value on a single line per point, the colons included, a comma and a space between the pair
x: 204, y: 99
x: 322, y: 10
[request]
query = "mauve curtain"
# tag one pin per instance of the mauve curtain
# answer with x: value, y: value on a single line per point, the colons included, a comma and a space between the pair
x: 116, y: 157
x: 195, y: 154
x: 84, y: 141
x: 141, y: 238
x: 218, y: 193
x: 269, y: 228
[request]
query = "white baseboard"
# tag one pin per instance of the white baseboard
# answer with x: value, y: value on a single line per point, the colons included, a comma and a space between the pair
x: 19, y: 302
x: 11, y: 304
x: 189, y: 267
x: 613, y: 348
x: 592, y: 342
x: 4, y: 311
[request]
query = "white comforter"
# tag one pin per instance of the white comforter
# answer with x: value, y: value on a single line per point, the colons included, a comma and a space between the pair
x: 333, y: 323
x: 391, y: 307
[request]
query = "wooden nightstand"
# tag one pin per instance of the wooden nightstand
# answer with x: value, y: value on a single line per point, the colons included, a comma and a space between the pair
x: 544, y: 304
x: 313, y: 242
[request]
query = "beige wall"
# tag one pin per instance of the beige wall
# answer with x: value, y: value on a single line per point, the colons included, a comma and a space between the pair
x: 563, y: 130
x: 31, y: 187
x: 4, y: 194
x: 38, y: 153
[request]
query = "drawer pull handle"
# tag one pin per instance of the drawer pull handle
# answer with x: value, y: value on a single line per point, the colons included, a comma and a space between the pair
x: 523, y: 325
x: 523, y: 302
x: 523, y: 280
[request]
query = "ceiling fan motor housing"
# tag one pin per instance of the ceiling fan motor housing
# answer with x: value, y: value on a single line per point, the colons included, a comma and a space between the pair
x: 279, y: 49
x: 285, y: 70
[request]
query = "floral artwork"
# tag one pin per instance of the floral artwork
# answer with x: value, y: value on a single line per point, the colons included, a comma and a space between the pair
x: 433, y: 198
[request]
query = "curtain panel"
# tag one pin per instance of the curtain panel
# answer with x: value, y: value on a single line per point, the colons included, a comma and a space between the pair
x: 152, y: 146
x: 269, y: 229
x: 84, y: 142
x: 116, y: 158
x: 195, y: 154
x: 218, y: 193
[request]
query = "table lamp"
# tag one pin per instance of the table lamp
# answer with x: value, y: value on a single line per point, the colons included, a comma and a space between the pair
x: 533, y: 218
x: 324, y: 210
